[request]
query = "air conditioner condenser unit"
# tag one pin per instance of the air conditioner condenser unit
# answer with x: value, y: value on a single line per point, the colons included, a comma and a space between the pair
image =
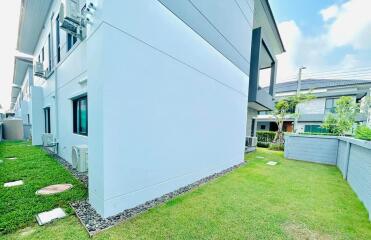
x: 80, y: 158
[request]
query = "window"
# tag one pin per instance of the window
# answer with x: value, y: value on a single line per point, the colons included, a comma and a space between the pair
x: 314, y: 129
x: 28, y: 119
x: 262, y: 127
x: 42, y: 55
x: 71, y: 40
x: 330, y: 106
x: 58, y: 39
x: 80, y: 115
x: 47, y: 119
x: 49, y: 53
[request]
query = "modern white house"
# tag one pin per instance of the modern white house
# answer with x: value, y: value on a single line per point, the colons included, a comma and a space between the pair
x: 21, y: 92
x: 312, y: 113
x: 159, y: 90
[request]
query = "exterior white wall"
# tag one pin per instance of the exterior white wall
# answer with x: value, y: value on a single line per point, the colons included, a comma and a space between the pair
x: 165, y: 107
x: 315, y: 106
x: 251, y: 114
x: 68, y: 80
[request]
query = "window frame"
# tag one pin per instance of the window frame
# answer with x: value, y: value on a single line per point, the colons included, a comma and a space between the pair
x: 47, y: 127
x: 76, y: 115
x: 331, y: 109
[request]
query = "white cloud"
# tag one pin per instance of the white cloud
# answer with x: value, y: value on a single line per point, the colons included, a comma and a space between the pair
x: 351, y: 25
x: 347, y: 24
x: 329, y: 13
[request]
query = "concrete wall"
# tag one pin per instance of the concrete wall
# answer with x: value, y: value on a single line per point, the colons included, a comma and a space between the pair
x: 351, y: 156
x: 318, y: 149
x: 149, y: 74
x: 315, y: 106
x: 251, y: 114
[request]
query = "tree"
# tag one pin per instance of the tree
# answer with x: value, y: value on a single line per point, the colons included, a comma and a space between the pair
x: 344, y: 118
x: 286, y: 108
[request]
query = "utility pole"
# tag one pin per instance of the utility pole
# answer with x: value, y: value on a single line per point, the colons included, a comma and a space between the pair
x: 299, y: 79
x: 297, y: 94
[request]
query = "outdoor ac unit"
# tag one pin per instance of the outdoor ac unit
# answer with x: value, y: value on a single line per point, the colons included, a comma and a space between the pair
x: 70, y: 16
x: 80, y: 158
x: 251, y: 141
x: 39, y: 70
x: 48, y: 139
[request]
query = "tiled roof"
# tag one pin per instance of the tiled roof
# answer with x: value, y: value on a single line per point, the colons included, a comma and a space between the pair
x: 308, y: 84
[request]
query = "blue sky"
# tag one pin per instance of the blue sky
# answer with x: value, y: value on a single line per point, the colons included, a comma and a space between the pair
x: 332, y: 38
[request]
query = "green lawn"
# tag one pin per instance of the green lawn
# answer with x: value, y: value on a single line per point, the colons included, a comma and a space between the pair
x: 19, y: 205
x: 293, y: 200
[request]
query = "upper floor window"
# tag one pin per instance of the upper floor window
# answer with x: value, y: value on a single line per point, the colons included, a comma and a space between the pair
x: 330, y: 106
x: 49, y: 53
x: 58, y: 39
x: 42, y: 55
x: 80, y: 115
x: 71, y: 40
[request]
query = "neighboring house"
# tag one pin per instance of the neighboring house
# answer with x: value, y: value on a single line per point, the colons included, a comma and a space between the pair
x: 313, y: 113
x: 21, y: 92
x: 158, y: 89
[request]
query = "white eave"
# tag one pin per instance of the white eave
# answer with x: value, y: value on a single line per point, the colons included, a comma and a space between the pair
x: 31, y: 22
x: 21, y: 64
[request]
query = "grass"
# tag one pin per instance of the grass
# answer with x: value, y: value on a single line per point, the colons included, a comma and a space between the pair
x: 292, y: 200
x: 19, y: 205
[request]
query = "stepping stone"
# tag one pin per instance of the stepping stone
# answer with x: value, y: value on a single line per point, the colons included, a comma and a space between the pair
x: 1, y: 161
x: 49, y: 216
x: 53, y: 189
x: 272, y: 163
x: 14, y: 184
x: 260, y: 157
x: 11, y: 158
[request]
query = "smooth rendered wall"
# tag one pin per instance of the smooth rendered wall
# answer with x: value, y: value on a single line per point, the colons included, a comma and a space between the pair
x: 71, y: 79
x: 169, y: 108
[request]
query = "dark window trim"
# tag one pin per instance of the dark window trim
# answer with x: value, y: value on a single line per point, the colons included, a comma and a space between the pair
x: 58, y: 39
x: 76, y: 108
x: 47, y: 119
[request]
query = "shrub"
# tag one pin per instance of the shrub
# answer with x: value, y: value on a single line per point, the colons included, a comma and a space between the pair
x: 263, y: 144
x: 276, y: 146
x: 363, y: 132
x: 265, y: 136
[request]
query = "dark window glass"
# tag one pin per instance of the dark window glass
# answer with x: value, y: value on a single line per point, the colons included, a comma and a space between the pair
x: 49, y: 53
x: 47, y: 119
x: 71, y: 40
x: 330, y: 106
x: 80, y: 115
x: 42, y: 55
x: 58, y: 39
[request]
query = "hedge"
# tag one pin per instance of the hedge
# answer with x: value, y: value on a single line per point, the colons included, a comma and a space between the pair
x: 265, y: 136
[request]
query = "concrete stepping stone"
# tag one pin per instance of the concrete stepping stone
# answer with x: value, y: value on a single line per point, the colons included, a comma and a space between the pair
x: 260, y: 157
x: 49, y: 216
x: 11, y: 158
x: 14, y: 183
x: 53, y: 189
x: 1, y: 161
x: 272, y: 163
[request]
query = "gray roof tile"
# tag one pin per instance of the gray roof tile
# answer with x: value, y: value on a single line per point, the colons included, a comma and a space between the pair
x: 308, y: 84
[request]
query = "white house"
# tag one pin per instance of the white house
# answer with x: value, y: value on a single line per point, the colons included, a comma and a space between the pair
x: 312, y: 113
x: 158, y: 89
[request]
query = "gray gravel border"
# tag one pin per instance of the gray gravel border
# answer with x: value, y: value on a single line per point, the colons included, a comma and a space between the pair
x: 94, y: 223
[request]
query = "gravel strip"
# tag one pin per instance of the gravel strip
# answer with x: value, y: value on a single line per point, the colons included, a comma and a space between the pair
x: 94, y: 223
x: 83, y: 177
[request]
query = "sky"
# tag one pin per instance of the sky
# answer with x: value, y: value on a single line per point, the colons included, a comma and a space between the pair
x: 9, y: 19
x: 331, y: 38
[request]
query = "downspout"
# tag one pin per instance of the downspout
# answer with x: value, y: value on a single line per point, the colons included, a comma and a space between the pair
x: 55, y: 80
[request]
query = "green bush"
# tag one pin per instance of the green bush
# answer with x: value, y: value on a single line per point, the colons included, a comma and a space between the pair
x: 363, y: 132
x: 263, y: 144
x: 265, y: 136
x: 276, y: 147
